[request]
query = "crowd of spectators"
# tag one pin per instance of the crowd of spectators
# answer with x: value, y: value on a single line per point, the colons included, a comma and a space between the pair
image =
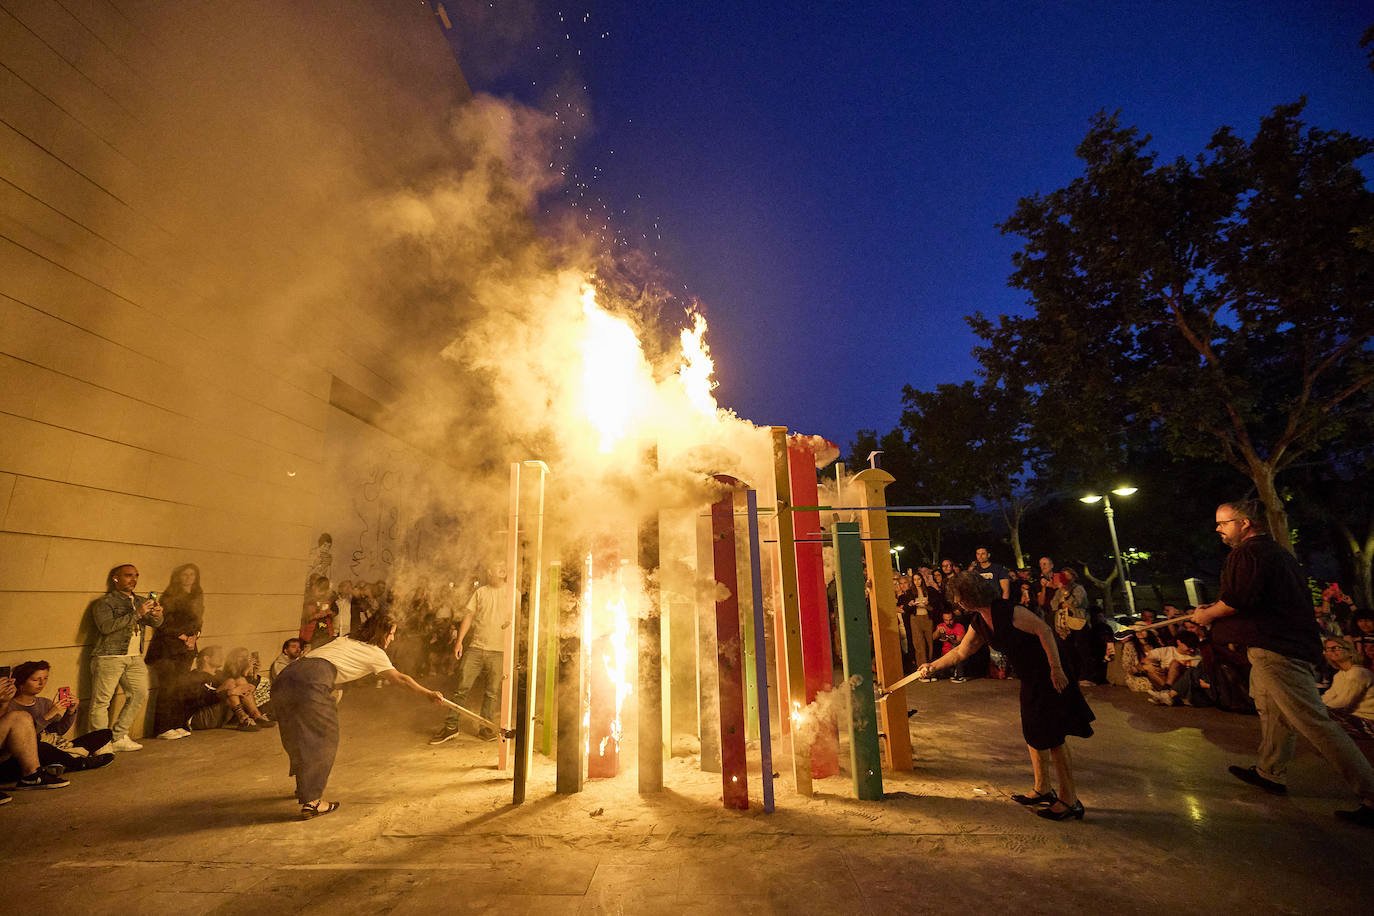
x: 1173, y: 665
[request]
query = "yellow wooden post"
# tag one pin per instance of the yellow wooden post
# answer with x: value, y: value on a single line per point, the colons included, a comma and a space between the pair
x: 790, y: 653
x: 882, y: 602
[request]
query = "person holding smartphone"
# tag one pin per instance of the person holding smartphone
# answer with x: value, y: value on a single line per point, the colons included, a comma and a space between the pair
x: 19, y: 762
x: 120, y: 617
x: 52, y: 719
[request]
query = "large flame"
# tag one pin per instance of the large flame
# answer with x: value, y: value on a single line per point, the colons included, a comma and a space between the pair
x: 618, y: 663
x: 697, y: 366
x: 615, y: 376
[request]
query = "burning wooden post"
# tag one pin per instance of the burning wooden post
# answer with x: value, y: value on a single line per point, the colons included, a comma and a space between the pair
x: 865, y: 758
x: 603, y: 748
x: 789, y: 649
x: 734, y: 764
x: 760, y: 655
x: 814, y: 610
x: 572, y: 683
x: 883, y: 608
x: 650, y: 714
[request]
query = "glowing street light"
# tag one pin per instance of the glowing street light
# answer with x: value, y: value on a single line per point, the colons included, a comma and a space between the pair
x: 896, y: 550
x: 1116, y: 547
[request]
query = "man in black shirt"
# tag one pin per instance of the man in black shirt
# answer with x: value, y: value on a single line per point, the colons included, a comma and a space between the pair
x: 1264, y: 604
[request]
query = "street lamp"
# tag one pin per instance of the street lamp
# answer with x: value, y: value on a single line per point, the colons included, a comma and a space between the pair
x: 1116, y: 547
x: 895, y: 550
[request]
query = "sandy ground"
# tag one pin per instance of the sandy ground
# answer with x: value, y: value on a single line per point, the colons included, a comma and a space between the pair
x: 208, y: 825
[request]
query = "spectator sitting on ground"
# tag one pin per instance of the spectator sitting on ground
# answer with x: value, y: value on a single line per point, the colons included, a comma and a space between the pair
x: 1177, y: 671
x: 52, y: 719
x: 227, y: 710
x: 1351, y: 697
x: 291, y: 650
x: 1150, y: 639
x: 180, y: 691
x: 19, y: 762
x: 1133, y: 653
x: 1325, y: 622
x: 238, y: 680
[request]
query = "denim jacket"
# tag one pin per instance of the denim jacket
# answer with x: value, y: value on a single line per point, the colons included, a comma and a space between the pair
x: 115, y: 615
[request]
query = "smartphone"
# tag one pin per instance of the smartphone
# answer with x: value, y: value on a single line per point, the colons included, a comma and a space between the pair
x: 152, y: 596
x: 4, y: 670
x: 64, y: 696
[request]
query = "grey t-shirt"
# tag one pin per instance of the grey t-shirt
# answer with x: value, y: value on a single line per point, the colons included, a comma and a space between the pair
x: 487, y: 625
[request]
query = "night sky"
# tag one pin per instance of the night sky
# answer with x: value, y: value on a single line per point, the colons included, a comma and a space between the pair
x: 827, y: 177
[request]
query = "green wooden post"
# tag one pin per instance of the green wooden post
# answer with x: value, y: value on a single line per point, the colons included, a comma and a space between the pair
x: 865, y: 756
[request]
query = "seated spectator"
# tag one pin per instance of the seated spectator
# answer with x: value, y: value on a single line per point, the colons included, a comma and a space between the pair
x: 291, y: 650
x: 1351, y: 697
x: 1363, y: 639
x: 238, y: 681
x: 181, y: 692
x: 1150, y: 639
x: 948, y: 634
x: 317, y: 614
x: 19, y: 763
x: 1325, y: 622
x: 1133, y: 654
x: 1177, y: 673
x: 52, y: 719
x: 1340, y: 606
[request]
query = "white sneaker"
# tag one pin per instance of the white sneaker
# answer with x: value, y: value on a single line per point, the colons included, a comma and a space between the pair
x: 172, y: 734
x: 125, y: 744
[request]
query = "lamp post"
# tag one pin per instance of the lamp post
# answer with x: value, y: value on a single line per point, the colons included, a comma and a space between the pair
x: 1116, y: 547
x: 896, y: 557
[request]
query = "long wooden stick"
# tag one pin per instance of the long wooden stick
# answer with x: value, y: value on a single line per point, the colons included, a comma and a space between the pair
x: 1146, y: 627
x: 910, y: 678
x: 504, y: 732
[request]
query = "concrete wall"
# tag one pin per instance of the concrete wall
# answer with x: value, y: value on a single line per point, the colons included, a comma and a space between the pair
x: 144, y: 418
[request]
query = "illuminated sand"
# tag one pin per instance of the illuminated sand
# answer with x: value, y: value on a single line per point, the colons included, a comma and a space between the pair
x: 204, y: 825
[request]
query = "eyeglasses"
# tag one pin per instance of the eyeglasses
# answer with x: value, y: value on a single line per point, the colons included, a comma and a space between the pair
x: 1227, y: 521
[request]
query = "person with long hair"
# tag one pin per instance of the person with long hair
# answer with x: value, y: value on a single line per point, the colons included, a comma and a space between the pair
x: 306, y: 712
x: 183, y: 612
x: 1052, y: 706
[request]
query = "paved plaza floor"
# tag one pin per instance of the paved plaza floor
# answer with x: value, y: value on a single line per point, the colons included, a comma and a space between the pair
x: 208, y: 825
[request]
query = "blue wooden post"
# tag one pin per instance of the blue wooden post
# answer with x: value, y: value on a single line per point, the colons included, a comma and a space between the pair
x: 759, y: 657
x: 865, y: 756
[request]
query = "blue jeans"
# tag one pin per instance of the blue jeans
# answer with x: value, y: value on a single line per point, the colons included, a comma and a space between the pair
x: 476, y: 663
x: 107, y: 672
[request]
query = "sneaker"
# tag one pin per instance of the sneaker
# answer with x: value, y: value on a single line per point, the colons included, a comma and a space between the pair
x: 1362, y: 816
x: 42, y: 778
x: 124, y: 743
x: 5, y: 798
x: 1252, y: 776
x: 1161, y: 698
x: 959, y: 680
x: 444, y: 734
x: 173, y: 734
x: 96, y: 761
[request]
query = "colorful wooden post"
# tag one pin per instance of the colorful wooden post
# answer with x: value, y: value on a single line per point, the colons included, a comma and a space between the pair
x: 512, y: 611
x: 814, y: 610
x: 865, y: 757
x: 603, y: 747
x: 869, y: 485
x: 734, y: 770
x: 708, y: 695
x: 746, y: 616
x: 572, y: 684
x: 760, y: 655
x: 650, y: 716
x: 789, y: 650
x: 527, y: 637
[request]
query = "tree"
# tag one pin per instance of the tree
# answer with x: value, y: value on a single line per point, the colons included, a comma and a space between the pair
x: 973, y: 441
x: 1229, y: 298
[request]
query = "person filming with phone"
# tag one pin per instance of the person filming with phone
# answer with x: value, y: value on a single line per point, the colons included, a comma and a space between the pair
x: 117, y: 657
x: 53, y: 718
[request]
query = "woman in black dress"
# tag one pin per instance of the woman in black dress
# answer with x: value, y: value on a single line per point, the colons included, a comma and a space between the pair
x: 1052, y: 706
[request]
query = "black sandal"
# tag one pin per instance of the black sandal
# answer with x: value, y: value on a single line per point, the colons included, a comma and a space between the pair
x: 1044, y: 798
x: 1070, y: 811
x: 310, y: 812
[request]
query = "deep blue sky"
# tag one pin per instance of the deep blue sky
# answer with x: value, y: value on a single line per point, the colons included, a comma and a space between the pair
x: 827, y: 177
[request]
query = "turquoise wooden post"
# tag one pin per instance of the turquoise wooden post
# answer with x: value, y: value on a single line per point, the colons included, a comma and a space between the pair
x: 865, y: 757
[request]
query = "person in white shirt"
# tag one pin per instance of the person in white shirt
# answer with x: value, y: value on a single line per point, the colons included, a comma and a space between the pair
x: 307, y: 715
x: 1351, y: 696
x: 1176, y: 670
x: 483, y: 658
x: 343, y: 602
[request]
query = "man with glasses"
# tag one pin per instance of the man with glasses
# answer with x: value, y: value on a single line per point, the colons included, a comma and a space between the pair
x: 1351, y: 696
x: 1263, y: 588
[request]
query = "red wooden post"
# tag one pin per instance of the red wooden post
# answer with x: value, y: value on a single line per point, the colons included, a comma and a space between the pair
x: 815, y: 612
x: 734, y: 772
